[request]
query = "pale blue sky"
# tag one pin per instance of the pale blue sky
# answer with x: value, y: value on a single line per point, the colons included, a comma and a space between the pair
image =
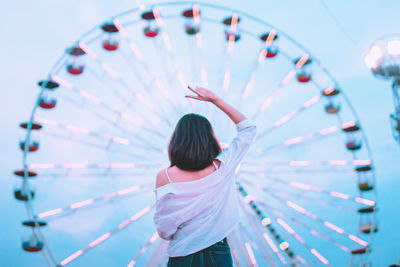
x: 36, y: 33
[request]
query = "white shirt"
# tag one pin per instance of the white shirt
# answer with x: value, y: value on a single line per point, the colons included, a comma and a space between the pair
x: 193, y: 215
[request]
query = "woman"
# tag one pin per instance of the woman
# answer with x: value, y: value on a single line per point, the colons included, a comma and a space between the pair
x: 196, y: 204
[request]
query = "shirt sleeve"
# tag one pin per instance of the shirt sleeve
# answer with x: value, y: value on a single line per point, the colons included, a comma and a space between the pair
x: 233, y: 154
x: 165, y: 221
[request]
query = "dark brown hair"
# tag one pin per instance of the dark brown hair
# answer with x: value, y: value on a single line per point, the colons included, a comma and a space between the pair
x: 193, y: 145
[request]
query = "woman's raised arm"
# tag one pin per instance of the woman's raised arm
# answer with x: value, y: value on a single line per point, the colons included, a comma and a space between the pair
x: 207, y: 95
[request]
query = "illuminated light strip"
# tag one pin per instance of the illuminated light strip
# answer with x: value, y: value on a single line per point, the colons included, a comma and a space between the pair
x: 99, y: 240
x: 61, y: 81
x: 74, y: 165
x: 103, y: 237
x: 338, y: 162
x: 157, y: 17
x: 302, y: 61
x: 274, y: 248
x: 87, y: 50
x: 319, y: 256
x: 329, y: 90
x: 300, y: 163
x: 296, y: 207
x: 49, y: 213
x: 327, y: 224
x: 74, y: 128
x: 300, y: 185
x: 312, y: 101
x: 72, y: 257
x: 88, y: 202
x: 251, y: 254
x: 127, y: 190
x: 89, y: 97
x: 301, y: 260
x: 289, y: 76
x: 42, y: 166
x: 107, y: 68
x: 120, y: 140
x: 181, y: 78
x: 131, y: 119
x: 143, y: 249
x: 167, y: 41
x: 334, y: 227
x: 196, y: 14
x: 249, y: 86
x: 77, y: 129
x: 306, y: 227
x: 339, y: 195
x: 365, y: 201
x: 294, y: 140
x: 46, y: 121
x: 81, y: 204
x: 140, y: 57
x: 349, y: 124
x: 227, y: 76
x: 332, y: 193
x: 284, y: 225
x: 328, y: 130
x: 270, y: 38
x: 358, y: 240
x: 362, y: 162
x: 269, y: 99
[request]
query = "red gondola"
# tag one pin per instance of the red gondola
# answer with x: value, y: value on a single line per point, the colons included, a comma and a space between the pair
x: 110, y: 43
x: 34, y: 146
x: 75, y: 66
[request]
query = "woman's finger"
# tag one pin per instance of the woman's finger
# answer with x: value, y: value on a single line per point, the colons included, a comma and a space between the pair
x: 190, y: 88
x: 192, y: 96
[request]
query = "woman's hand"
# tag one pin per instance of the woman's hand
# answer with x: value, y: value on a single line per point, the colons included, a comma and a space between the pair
x: 203, y: 95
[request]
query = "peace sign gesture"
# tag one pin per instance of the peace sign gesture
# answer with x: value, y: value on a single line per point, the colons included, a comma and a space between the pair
x: 202, y: 94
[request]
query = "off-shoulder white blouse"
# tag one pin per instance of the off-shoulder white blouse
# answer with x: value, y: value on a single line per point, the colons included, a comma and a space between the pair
x: 193, y: 215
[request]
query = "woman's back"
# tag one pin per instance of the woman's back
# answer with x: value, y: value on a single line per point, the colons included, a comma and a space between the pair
x: 177, y: 175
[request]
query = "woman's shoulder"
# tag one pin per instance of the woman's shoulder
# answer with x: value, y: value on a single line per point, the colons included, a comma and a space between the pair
x: 161, y: 179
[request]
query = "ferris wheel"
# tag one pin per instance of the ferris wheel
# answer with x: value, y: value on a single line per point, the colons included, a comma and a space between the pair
x: 100, y: 126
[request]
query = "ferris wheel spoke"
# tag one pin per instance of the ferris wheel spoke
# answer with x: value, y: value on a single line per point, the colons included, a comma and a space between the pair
x: 97, y: 135
x: 133, y: 190
x: 284, y: 245
x: 143, y: 249
x: 234, y: 250
x: 295, y: 141
x: 305, y: 226
x: 117, y: 77
x: 290, y: 116
x: 301, y: 241
x: 158, y: 254
x: 104, y: 148
x: 92, y: 99
x: 138, y: 54
x: 314, y: 217
x: 129, y: 103
x: 261, y: 57
x: 307, y: 187
x: 106, y: 236
x: 170, y: 50
x: 247, y: 239
x: 162, y: 113
x: 241, y: 249
x: 258, y: 234
x: 250, y: 217
x: 299, y: 195
x: 267, y: 102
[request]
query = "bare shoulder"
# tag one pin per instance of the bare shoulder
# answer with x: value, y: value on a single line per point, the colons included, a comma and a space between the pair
x: 161, y: 178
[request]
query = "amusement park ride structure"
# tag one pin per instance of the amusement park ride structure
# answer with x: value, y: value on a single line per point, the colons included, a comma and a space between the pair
x: 114, y: 95
x: 383, y: 59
